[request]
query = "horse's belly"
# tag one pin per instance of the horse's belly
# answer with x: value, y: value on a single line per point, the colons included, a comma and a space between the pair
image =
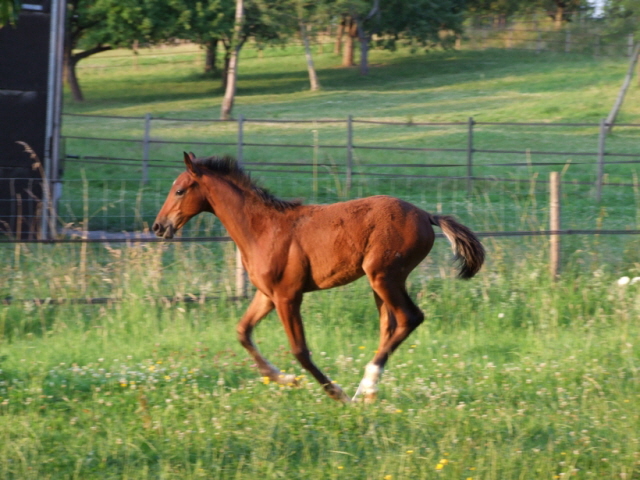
x: 338, y: 274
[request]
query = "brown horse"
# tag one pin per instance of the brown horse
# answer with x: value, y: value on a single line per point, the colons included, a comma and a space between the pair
x: 289, y: 249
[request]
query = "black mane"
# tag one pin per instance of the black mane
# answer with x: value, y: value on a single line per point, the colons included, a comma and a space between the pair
x: 228, y: 167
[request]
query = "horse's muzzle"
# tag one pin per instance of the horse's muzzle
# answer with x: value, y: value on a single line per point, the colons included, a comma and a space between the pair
x: 164, y: 231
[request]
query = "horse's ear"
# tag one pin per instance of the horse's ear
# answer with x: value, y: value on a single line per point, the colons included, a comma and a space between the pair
x: 191, y: 168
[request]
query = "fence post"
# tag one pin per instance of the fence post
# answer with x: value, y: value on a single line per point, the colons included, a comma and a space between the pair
x: 241, y: 276
x: 145, y: 148
x: 349, y: 151
x: 469, y: 153
x: 630, y: 45
x: 240, y: 138
x: 597, y: 46
x: 554, y: 224
x: 600, y: 174
x: 567, y: 41
x: 539, y: 40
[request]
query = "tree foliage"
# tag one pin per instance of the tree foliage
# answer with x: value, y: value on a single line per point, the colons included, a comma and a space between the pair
x: 623, y: 16
x: 419, y: 23
x: 9, y: 11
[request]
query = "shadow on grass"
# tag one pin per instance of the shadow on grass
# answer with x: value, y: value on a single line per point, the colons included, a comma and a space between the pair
x: 389, y: 73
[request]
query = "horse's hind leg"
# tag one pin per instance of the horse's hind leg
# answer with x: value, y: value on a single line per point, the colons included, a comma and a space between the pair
x: 289, y: 313
x: 260, y: 306
x: 387, y: 328
x: 407, y: 316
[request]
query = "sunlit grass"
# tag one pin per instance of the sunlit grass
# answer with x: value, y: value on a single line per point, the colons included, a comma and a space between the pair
x: 509, y: 376
x: 512, y: 375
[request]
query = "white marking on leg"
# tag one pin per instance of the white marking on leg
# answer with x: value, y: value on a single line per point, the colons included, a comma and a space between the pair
x: 369, y: 384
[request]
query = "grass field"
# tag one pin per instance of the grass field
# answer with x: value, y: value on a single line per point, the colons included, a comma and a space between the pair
x: 512, y: 375
x: 490, y: 86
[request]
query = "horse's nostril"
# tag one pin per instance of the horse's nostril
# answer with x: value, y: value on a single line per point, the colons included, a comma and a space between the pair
x: 156, y: 227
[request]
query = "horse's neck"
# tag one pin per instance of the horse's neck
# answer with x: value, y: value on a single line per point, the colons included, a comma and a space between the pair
x: 233, y: 206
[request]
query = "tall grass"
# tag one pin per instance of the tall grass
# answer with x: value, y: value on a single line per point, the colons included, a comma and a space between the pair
x: 511, y: 376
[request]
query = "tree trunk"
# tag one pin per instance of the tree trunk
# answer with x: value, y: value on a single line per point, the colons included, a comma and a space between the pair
x: 232, y: 70
x: 70, y: 61
x: 72, y: 78
x: 227, y: 60
x: 313, y: 77
x: 559, y: 17
x: 348, y: 48
x: 364, y: 49
x: 337, y: 47
x: 211, y: 48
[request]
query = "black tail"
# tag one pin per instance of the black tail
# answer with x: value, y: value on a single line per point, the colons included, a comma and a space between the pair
x: 467, y: 249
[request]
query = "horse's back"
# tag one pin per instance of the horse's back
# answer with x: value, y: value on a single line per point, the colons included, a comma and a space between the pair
x: 343, y: 240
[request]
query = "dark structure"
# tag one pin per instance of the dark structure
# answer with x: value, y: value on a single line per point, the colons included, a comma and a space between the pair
x: 24, y: 54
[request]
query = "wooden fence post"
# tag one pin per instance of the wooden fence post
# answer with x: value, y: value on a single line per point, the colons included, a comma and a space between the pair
x: 240, y: 138
x: 469, y: 153
x: 145, y: 148
x: 349, y: 151
x: 600, y: 171
x: 241, y: 276
x: 611, y: 118
x: 554, y: 224
x: 630, y: 45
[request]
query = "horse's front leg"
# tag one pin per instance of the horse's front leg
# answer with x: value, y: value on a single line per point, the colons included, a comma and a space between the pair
x: 289, y: 312
x: 260, y: 306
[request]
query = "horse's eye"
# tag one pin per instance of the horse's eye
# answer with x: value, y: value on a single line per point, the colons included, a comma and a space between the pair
x: 180, y: 192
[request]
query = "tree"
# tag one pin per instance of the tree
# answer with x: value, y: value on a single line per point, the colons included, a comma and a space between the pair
x: 206, y: 23
x: 237, y: 41
x: 83, y: 18
x: 419, y: 22
x: 9, y: 11
x: 305, y: 14
x: 622, y: 16
x: 262, y: 20
x: 559, y: 10
x: 94, y: 26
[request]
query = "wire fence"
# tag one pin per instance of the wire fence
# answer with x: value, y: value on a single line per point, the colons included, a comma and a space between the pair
x: 461, y: 138
x: 206, y: 251
x: 345, y: 157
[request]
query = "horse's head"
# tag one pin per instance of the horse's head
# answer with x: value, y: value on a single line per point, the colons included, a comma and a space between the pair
x: 185, y: 200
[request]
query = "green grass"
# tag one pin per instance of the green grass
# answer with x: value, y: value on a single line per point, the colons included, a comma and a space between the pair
x: 509, y: 377
x: 512, y: 376
x: 491, y: 86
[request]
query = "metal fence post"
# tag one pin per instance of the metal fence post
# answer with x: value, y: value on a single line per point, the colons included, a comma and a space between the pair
x: 469, y: 153
x: 554, y: 224
x: 349, y: 151
x: 145, y: 148
x: 240, y: 138
x: 630, y: 45
x: 600, y: 172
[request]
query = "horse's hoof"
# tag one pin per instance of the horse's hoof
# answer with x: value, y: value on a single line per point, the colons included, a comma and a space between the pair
x: 335, y: 392
x: 370, y: 397
x: 288, y: 379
